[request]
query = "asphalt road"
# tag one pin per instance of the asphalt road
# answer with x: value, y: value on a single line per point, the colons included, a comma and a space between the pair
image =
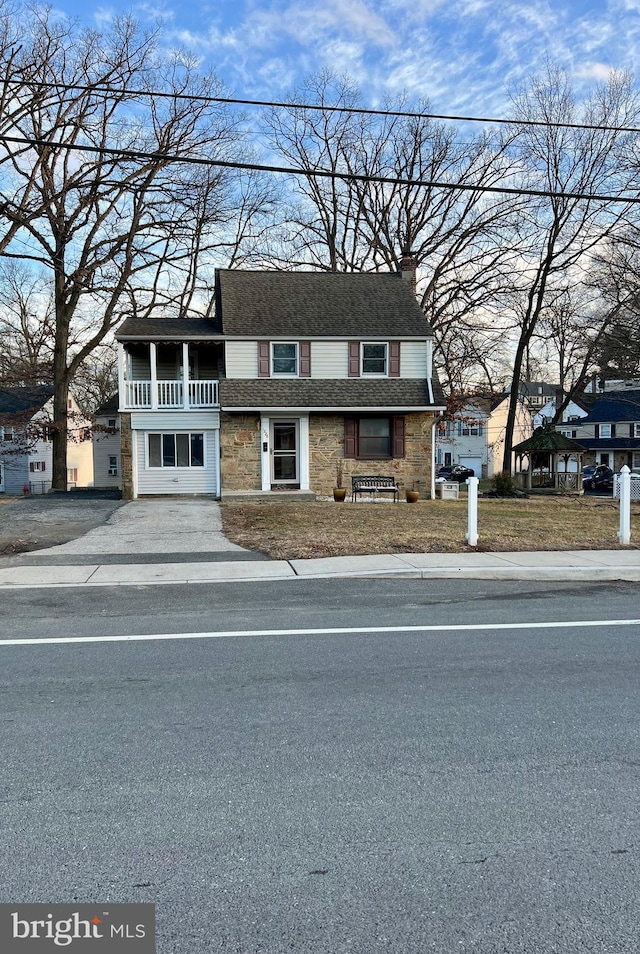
x: 469, y: 790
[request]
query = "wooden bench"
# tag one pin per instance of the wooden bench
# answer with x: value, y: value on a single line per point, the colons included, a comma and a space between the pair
x: 374, y: 485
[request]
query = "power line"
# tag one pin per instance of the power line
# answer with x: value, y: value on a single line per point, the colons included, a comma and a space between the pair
x: 356, y: 110
x: 320, y: 173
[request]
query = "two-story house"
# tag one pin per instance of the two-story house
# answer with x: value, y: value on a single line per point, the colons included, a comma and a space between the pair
x: 26, y: 449
x: 296, y: 371
x: 611, y: 430
x: 474, y: 434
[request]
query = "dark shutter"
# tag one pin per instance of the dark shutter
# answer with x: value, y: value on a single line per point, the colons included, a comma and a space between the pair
x: 597, y: 431
x: 398, y: 437
x: 354, y: 359
x: 350, y: 437
x: 263, y: 359
x: 613, y: 430
x: 631, y: 430
x: 394, y: 359
x: 304, y: 367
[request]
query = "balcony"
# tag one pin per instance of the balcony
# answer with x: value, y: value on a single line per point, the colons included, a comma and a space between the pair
x: 170, y: 394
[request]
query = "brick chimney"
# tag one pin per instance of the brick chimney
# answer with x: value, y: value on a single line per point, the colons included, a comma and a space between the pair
x: 408, y: 266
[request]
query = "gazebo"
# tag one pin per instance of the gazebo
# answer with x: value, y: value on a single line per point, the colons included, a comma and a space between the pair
x: 545, y: 450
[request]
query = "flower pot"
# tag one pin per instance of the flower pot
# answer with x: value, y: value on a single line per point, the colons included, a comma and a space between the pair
x: 339, y: 493
x: 412, y: 496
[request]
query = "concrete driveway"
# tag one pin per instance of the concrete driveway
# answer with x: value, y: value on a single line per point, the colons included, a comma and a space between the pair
x: 91, y: 526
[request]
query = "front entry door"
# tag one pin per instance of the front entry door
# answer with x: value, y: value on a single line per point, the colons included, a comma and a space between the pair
x: 284, y: 453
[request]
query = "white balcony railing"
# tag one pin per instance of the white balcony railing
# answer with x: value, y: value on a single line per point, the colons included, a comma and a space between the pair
x: 170, y: 394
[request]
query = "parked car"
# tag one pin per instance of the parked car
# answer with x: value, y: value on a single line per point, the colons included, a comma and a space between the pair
x: 457, y: 473
x: 598, y: 477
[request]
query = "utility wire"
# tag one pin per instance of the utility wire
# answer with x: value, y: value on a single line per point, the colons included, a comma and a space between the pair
x: 359, y: 110
x: 321, y: 173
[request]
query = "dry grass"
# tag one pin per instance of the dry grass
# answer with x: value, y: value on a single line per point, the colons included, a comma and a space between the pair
x: 318, y: 529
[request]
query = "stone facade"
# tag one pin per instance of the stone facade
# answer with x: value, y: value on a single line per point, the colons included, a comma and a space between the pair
x: 326, y: 447
x: 240, y: 452
x: 126, y: 456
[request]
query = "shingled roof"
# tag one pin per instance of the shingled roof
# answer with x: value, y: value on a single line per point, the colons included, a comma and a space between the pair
x: 315, y: 393
x: 168, y: 329
x: 299, y: 304
x: 24, y: 399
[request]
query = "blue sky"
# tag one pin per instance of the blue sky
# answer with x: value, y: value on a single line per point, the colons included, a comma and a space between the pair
x: 460, y: 54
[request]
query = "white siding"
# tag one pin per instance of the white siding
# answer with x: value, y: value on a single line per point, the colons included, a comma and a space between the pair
x: 175, y: 420
x: 106, y: 446
x: 242, y: 359
x: 329, y: 359
x: 179, y: 480
x: 413, y: 359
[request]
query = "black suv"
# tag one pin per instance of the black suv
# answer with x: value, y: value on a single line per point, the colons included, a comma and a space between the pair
x: 597, y: 478
x: 459, y: 473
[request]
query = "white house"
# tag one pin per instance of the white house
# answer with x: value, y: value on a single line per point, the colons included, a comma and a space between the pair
x: 474, y: 436
x: 26, y: 449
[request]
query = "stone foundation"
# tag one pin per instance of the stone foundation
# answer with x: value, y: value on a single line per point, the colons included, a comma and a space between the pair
x: 240, y: 452
x: 126, y: 456
x: 326, y: 447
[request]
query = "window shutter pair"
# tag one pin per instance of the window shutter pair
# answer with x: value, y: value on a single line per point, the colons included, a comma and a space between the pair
x: 394, y: 359
x: 351, y: 437
x: 304, y: 359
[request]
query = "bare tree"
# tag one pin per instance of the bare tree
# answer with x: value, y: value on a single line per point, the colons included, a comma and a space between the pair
x: 560, y: 235
x: 115, y: 232
x: 355, y: 222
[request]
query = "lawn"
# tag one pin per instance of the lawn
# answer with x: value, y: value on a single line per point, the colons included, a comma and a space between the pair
x: 300, y: 530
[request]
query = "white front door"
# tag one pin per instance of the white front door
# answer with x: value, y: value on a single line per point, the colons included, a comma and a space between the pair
x: 285, y: 463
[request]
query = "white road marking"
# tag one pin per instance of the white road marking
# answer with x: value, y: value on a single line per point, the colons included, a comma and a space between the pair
x: 331, y: 631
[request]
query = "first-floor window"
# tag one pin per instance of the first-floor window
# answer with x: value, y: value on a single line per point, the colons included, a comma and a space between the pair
x: 37, y: 467
x: 113, y: 466
x: 72, y: 475
x: 636, y: 460
x: 176, y: 450
x: 374, y: 438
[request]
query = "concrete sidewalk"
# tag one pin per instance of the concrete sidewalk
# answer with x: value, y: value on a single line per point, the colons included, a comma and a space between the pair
x: 595, y: 566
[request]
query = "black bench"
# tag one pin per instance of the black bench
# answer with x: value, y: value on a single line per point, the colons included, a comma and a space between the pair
x: 374, y: 485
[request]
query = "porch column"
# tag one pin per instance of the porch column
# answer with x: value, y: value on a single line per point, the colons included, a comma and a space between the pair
x: 122, y: 399
x: 265, y: 454
x: 185, y: 376
x: 303, y: 453
x: 153, y: 358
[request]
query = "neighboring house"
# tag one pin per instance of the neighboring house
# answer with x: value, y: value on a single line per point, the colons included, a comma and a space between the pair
x: 297, y: 371
x: 535, y: 394
x: 107, y: 468
x: 610, y: 432
x: 475, y: 435
x: 25, y: 446
x: 572, y: 414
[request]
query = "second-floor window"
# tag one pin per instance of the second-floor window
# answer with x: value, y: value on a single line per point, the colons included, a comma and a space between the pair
x: 605, y: 430
x: 6, y: 433
x: 374, y: 358
x: 636, y: 430
x: 284, y: 358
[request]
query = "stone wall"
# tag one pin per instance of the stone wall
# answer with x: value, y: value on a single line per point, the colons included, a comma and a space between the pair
x: 326, y: 447
x: 240, y: 452
x: 126, y: 456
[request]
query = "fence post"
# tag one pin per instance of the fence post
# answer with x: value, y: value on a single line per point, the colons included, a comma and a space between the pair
x: 624, y: 536
x: 472, y: 511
